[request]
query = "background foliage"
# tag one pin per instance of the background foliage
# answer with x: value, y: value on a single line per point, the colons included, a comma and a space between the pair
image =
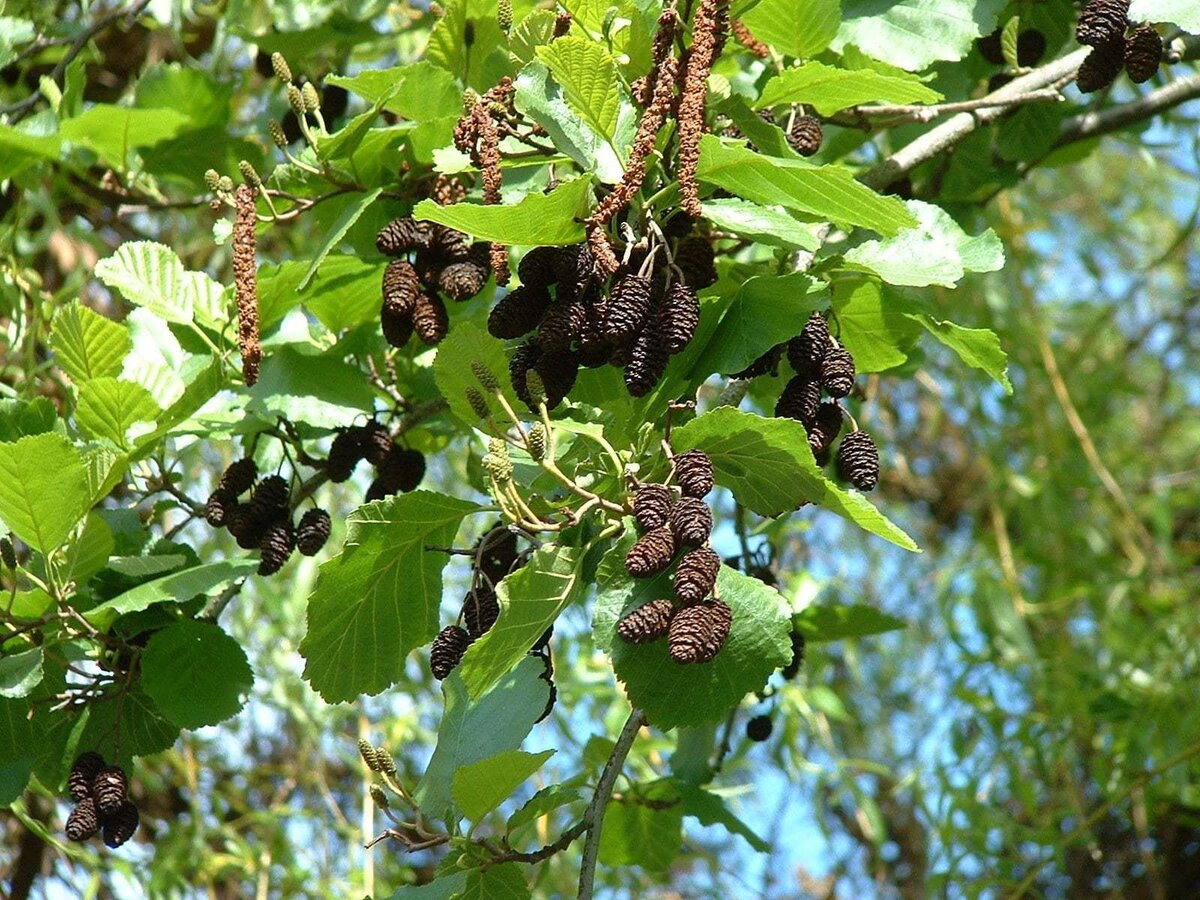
x: 1009, y: 712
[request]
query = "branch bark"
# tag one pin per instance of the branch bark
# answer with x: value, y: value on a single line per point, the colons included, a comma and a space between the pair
x: 594, y: 817
x: 1095, y: 123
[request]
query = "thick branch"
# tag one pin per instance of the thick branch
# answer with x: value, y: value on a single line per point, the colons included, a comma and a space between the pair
x: 594, y: 817
x: 943, y: 137
x: 1105, y: 121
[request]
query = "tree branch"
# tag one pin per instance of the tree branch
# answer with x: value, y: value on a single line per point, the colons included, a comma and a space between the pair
x: 594, y: 817
x: 953, y: 130
x: 1095, y: 123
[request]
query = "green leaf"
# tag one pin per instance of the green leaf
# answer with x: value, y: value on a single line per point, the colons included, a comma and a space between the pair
x: 195, y: 673
x: 540, y: 99
x: 143, y: 727
x: 588, y: 76
x: 878, y: 334
x: 481, y: 62
x: 471, y: 731
x: 828, y: 89
x: 322, y: 391
x: 20, y: 149
x: 827, y: 191
x: 344, y: 294
x: 1028, y: 134
x: 447, y: 887
x: 177, y: 588
x: 352, y: 206
x: 89, y: 552
x: 1183, y: 13
x: 1008, y: 40
x: 711, y: 809
x: 979, y: 348
x: 531, y: 32
x: 20, y: 672
x: 108, y: 408
x: 769, y: 467
x: 419, y: 92
x: 112, y: 131
x: 766, y: 311
x: 209, y: 379
x: 480, y: 787
x: 835, y: 621
x: 87, y: 344
x: 21, y: 418
x: 912, y: 34
x: 936, y: 251
x: 151, y: 275
x: 643, y: 827
x: 530, y: 600
x: 674, y: 695
x: 537, y: 219
x: 469, y: 343
x: 378, y: 599
x: 543, y: 803
x: 19, y: 739
x: 43, y: 490
x: 764, y: 224
x: 503, y: 882
x: 161, y: 86
x: 796, y: 29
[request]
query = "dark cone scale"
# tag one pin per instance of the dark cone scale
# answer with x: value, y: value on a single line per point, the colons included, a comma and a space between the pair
x: 561, y: 327
x: 400, y: 287
x: 767, y: 364
x: 801, y: 399
x: 652, y: 553
x: 83, y: 772
x: 628, y: 306
x: 540, y: 266
x: 837, y: 373
x: 430, y: 319
x: 447, y: 650
x: 376, y: 442
x: 652, y: 506
x: 397, y: 327
x: 518, y: 312
x: 823, y: 431
x: 792, y: 669
x: 858, y: 460
x: 120, y: 826
x: 1102, y: 66
x: 277, y: 544
x: 807, y: 350
x: 239, y: 477
x: 520, y: 364
x: 218, y: 507
x: 245, y: 526
x: 401, y: 235
x: 8, y: 553
x: 678, y: 317
x: 313, y: 531
x: 497, y: 552
x: 1143, y: 53
x: 462, y: 280
x: 691, y: 522
x: 694, y: 473
x: 695, y: 258
x: 1102, y: 21
x: 647, y: 363
x: 698, y: 632
x: 805, y: 135
x: 696, y: 575
x: 480, y: 610
x: 270, y: 498
x: 83, y: 821
x: 647, y: 623
x: 759, y: 728
x: 110, y: 788
x: 558, y: 372
x: 344, y: 454
x: 1031, y: 47
x: 401, y: 470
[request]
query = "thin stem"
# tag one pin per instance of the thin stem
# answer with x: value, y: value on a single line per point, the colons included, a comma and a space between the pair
x: 594, y: 817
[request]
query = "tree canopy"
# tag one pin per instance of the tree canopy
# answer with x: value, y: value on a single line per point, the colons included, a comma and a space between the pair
x: 502, y: 449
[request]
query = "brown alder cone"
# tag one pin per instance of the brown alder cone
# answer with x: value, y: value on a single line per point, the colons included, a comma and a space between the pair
x: 743, y: 36
x: 245, y: 278
x: 705, y: 38
x: 652, y: 553
x: 661, y: 89
x: 429, y: 318
x: 647, y: 623
x: 698, y: 633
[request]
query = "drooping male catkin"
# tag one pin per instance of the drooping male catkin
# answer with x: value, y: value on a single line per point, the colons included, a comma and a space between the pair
x: 245, y: 279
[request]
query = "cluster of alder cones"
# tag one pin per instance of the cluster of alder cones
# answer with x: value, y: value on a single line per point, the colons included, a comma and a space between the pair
x: 694, y: 622
x: 636, y: 319
x: 265, y: 520
x: 494, y: 556
x: 431, y: 260
x: 823, y: 365
x: 102, y: 804
x: 1105, y: 27
x: 397, y: 468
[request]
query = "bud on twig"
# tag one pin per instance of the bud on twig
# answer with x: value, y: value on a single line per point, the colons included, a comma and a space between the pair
x: 250, y: 176
x: 312, y: 100
x: 295, y: 100
x: 278, y: 138
x: 282, y: 70
x: 213, y: 180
